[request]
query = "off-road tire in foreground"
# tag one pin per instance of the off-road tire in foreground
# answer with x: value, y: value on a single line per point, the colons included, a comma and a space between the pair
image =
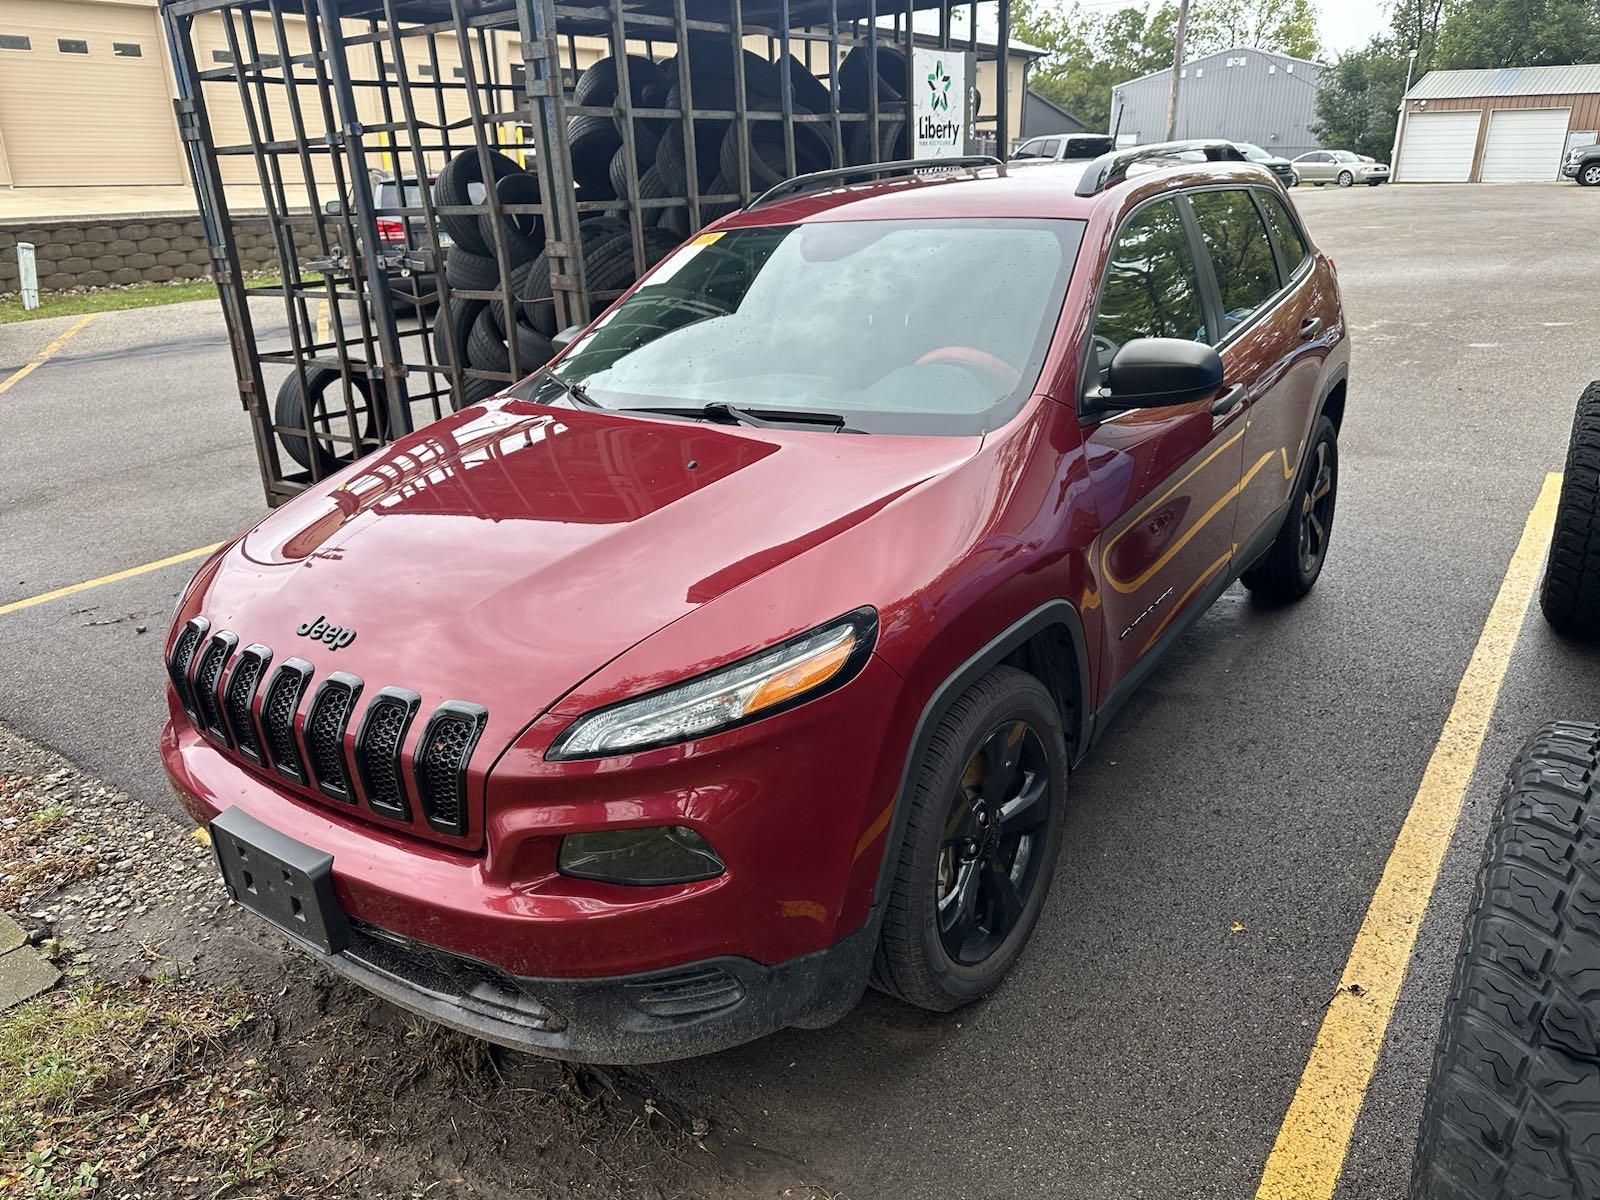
x: 1570, y: 596
x: 912, y: 961
x: 1285, y: 573
x: 1511, y: 1110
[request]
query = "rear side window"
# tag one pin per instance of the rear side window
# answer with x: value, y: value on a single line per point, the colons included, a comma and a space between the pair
x: 1290, y: 240
x: 1247, y: 274
x: 1152, y: 285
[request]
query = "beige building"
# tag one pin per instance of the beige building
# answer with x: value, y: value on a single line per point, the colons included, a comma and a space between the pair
x: 86, y: 91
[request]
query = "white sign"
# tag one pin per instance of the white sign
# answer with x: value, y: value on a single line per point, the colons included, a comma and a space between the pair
x: 939, y: 111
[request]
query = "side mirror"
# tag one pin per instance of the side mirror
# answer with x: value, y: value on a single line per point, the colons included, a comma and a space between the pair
x: 1158, y: 373
x: 334, y: 208
x: 566, y: 337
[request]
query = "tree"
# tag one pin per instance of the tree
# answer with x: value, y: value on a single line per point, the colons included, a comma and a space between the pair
x: 1359, y: 99
x: 1285, y: 26
x: 1087, y: 54
x: 1519, y: 33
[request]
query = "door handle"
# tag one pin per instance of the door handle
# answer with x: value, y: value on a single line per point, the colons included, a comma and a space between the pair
x: 1309, y: 328
x: 1228, y: 401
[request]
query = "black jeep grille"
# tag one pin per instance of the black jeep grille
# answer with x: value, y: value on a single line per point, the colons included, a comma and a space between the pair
x: 441, y: 764
x: 182, y: 656
x: 238, y: 701
x: 383, y: 733
x: 207, y: 676
x: 277, y: 718
x: 221, y: 700
x: 325, y: 726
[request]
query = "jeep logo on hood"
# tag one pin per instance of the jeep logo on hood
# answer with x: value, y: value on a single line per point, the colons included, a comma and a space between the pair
x: 336, y: 636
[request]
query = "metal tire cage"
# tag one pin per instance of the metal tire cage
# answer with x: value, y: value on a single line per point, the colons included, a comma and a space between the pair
x: 337, y: 94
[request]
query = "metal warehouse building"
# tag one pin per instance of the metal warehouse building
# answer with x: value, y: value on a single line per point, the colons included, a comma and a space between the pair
x: 1496, y: 126
x: 1244, y: 95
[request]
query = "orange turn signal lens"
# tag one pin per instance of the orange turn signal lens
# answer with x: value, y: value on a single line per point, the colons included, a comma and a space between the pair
x: 802, y: 676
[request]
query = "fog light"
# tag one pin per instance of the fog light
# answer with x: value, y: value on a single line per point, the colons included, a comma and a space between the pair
x: 663, y: 854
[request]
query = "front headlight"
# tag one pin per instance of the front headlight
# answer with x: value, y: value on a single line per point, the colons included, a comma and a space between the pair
x: 761, y: 685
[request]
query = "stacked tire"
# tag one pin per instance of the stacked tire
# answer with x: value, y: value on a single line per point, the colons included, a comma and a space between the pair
x: 472, y: 331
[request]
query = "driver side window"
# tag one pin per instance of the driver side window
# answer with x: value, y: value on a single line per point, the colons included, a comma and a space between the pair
x: 1152, y: 286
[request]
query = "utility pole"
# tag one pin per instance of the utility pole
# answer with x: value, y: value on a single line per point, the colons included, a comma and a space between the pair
x: 1177, y: 68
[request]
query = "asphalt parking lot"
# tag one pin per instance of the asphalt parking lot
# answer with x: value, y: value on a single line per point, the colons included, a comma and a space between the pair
x: 1227, y: 836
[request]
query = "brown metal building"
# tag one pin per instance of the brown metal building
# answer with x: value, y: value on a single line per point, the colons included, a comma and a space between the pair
x: 1508, y: 125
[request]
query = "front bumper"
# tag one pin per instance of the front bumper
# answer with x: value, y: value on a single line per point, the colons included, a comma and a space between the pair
x: 1571, y: 169
x: 653, y: 1016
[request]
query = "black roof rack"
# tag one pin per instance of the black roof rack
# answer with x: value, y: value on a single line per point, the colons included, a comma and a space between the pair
x: 1113, y: 168
x: 905, y: 166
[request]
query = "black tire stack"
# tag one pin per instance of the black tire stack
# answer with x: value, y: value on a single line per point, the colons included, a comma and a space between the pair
x: 472, y: 331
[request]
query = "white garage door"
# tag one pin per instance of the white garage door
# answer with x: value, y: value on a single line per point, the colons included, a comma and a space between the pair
x: 1438, y: 147
x: 1525, y: 144
x: 83, y: 95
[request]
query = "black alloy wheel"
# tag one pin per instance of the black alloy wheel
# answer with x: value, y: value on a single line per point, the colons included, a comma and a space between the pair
x: 1316, y: 510
x: 990, y: 857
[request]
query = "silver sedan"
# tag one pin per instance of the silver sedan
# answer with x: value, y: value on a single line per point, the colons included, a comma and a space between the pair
x: 1322, y: 167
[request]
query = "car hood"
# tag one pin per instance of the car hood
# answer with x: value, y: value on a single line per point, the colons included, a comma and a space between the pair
x: 505, y: 553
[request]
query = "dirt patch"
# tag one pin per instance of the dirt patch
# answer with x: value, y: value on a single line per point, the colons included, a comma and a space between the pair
x: 192, y: 1054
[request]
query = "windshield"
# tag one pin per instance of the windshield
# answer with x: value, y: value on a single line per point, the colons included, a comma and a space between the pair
x: 927, y: 326
x: 1253, y: 153
x: 1345, y: 156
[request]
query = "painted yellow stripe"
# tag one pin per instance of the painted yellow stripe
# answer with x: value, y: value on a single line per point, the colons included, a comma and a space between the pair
x: 1309, y: 1154
x: 322, y: 322
x: 43, y: 356
x: 73, y: 589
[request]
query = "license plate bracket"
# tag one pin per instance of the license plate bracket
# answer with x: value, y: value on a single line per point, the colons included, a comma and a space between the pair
x: 284, y: 881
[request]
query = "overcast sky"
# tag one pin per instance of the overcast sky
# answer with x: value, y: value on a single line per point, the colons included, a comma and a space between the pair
x: 1345, y: 24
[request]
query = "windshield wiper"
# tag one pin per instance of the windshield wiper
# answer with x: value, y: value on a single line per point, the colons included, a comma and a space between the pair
x: 758, y: 418
x: 572, y: 388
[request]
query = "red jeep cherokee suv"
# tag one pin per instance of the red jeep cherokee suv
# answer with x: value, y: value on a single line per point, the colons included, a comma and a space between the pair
x: 742, y: 656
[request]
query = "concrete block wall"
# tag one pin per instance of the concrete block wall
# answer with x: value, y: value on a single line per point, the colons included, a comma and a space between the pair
x: 119, y: 250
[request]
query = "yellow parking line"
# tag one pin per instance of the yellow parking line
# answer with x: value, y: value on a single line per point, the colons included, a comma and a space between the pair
x: 39, y: 359
x: 1309, y: 1154
x: 112, y: 578
x: 322, y: 322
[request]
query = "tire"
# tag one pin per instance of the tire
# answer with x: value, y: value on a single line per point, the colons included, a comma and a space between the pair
x: 768, y: 165
x: 523, y: 233
x: 855, y: 78
x: 487, y: 350
x: 1589, y: 176
x: 535, y: 292
x: 915, y: 960
x: 592, y: 141
x: 460, y: 181
x: 466, y: 271
x: 1570, y: 596
x: 451, y: 327
x: 1509, y: 1112
x: 1291, y: 566
x: 322, y: 384
x: 1346, y: 179
x: 892, y: 143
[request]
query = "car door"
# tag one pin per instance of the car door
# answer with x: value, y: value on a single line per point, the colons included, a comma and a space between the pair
x: 1318, y: 168
x: 1276, y: 317
x: 1164, y: 479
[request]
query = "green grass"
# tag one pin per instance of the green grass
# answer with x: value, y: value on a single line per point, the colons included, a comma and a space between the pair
x: 104, y: 1080
x: 136, y: 295
x: 76, y: 304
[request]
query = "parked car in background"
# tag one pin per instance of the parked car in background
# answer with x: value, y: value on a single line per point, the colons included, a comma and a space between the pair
x: 401, y: 237
x: 825, y: 621
x: 1277, y: 164
x: 1063, y: 147
x: 1322, y: 167
x: 1583, y: 164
